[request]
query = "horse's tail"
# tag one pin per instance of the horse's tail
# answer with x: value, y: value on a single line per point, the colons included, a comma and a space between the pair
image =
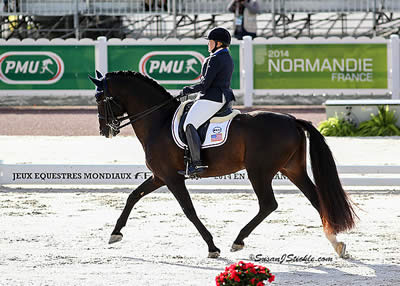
x: 337, y: 212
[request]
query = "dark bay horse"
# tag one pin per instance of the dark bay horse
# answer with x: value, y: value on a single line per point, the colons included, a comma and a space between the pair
x: 263, y: 143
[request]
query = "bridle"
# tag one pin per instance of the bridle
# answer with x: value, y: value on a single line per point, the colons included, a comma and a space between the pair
x: 111, y: 120
x: 114, y: 122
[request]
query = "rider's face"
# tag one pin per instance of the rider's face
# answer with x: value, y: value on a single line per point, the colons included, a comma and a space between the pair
x: 211, y: 45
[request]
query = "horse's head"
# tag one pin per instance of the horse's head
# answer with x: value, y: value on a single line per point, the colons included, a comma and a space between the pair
x: 109, y: 106
x: 128, y: 92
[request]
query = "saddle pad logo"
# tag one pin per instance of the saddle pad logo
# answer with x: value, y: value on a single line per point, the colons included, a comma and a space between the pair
x: 216, y: 137
x: 217, y: 129
x: 172, y: 67
x: 31, y: 67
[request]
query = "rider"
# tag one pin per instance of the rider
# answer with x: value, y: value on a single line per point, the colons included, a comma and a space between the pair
x: 214, y: 89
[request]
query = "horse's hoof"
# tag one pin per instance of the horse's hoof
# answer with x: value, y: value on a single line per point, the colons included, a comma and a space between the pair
x: 341, y: 250
x: 214, y: 254
x: 236, y: 247
x: 115, y: 238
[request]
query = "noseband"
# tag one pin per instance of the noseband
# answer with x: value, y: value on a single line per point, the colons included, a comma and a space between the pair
x: 113, y: 121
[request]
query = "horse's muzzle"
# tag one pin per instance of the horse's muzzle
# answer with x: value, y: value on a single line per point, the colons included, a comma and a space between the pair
x: 109, y: 132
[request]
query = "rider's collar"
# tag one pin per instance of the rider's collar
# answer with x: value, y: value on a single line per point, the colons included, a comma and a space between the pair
x: 219, y: 50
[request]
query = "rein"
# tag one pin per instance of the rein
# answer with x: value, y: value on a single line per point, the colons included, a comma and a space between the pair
x: 115, y: 122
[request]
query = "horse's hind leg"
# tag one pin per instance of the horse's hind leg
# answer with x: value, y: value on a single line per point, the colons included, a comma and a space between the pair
x: 296, y: 171
x: 267, y: 204
x: 307, y: 187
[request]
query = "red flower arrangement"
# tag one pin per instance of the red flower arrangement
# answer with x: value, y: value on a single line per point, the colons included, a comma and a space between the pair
x: 244, y: 274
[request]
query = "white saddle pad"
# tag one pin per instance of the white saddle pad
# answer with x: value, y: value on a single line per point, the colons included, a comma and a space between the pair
x: 217, y: 131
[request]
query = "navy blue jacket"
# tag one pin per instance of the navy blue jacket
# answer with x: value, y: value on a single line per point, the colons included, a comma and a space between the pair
x: 215, y: 79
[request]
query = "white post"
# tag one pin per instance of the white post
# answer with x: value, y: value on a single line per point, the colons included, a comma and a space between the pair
x: 247, y: 71
x: 101, y: 55
x: 174, y: 14
x: 395, y: 53
x: 76, y: 20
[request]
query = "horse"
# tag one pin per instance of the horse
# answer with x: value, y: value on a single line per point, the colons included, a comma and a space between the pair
x: 263, y: 143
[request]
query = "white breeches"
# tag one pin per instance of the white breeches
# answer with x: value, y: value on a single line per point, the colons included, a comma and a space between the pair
x: 201, y: 111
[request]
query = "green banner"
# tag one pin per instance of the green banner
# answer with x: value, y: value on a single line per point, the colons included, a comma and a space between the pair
x: 320, y: 66
x: 173, y: 66
x: 46, y: 67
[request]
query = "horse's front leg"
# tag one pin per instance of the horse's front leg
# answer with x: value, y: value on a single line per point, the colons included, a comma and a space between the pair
x: 148, y: 186
x: 181, y: 193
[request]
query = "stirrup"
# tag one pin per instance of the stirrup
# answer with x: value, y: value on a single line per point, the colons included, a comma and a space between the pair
x: 192, y: 171
x: 198, y: 169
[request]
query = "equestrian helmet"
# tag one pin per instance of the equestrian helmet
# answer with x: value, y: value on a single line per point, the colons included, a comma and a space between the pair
x: 220, y: 34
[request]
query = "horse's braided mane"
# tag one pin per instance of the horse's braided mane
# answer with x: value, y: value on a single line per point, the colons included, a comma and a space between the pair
x: 133, y: 74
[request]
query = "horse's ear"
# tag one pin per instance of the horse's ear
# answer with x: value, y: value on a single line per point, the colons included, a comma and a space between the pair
x: 98, y: 74
x: 97, y: 82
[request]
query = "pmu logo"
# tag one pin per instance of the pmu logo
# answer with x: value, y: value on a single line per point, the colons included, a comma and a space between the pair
x: 31, y: 67
x: 175, y: 67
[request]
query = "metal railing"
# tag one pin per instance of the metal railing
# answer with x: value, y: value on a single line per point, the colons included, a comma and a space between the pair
x: 336, y: 6
x: 126, y: 7
x: 130, y: 7
x: 192, y: 18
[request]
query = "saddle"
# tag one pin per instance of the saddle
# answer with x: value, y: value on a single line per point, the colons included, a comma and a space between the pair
x: 213, y: 132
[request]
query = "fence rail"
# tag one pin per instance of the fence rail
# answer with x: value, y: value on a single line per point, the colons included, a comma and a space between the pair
x: 130, y: 7
x: 377, y: 71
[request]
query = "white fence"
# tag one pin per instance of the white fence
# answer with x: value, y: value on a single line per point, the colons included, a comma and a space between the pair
x: 247, y: 63
x: 247, y: 60
x: 26, y: 174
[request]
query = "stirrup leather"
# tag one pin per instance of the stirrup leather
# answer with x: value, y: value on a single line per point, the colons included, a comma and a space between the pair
x: 191, y: 169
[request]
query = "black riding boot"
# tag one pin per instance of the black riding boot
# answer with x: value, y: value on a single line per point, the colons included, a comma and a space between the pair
x: 194, y: 143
